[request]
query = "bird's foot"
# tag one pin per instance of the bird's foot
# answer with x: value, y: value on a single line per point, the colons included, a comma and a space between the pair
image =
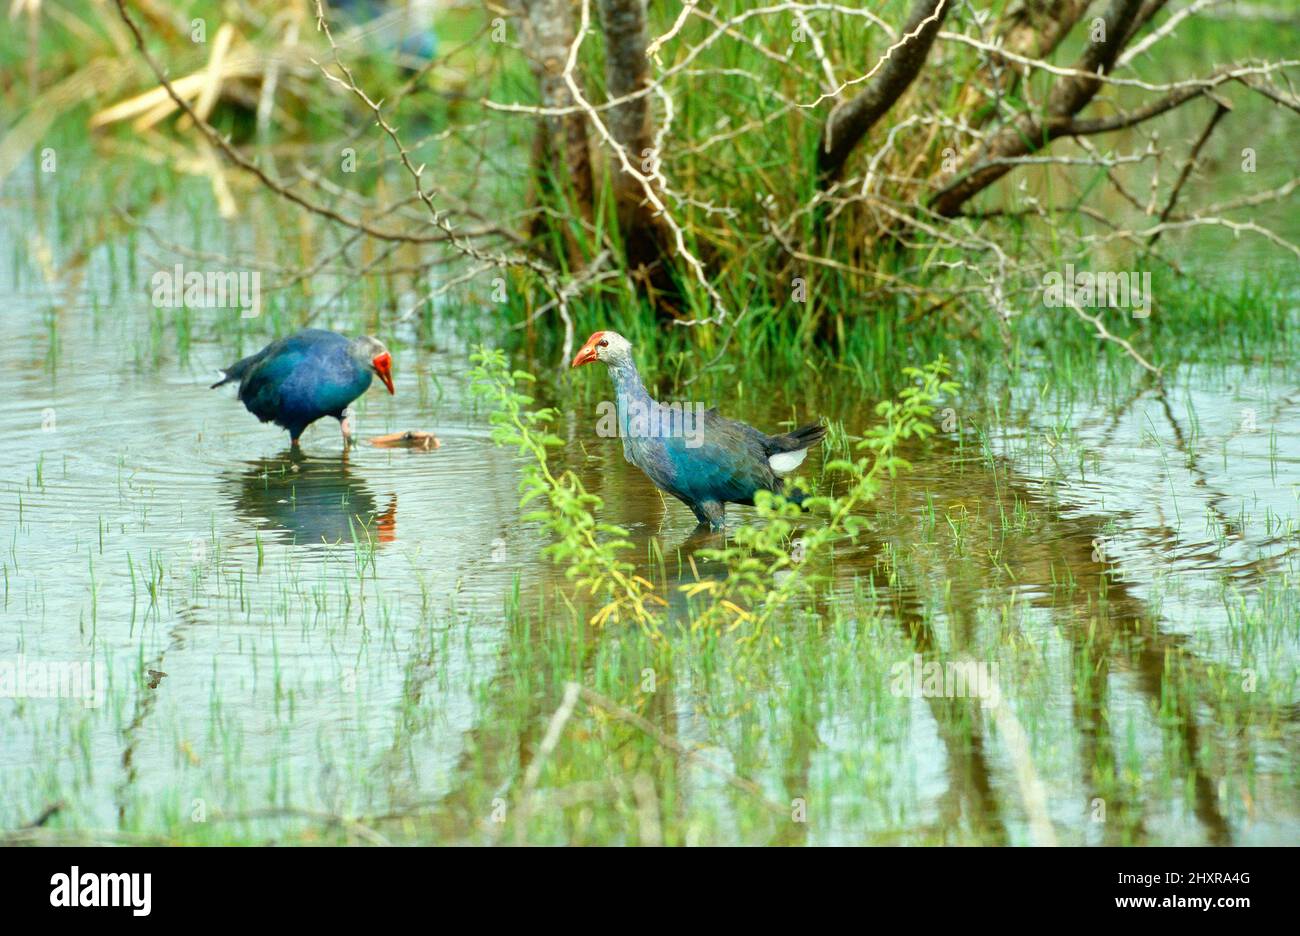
x: 711, y: 514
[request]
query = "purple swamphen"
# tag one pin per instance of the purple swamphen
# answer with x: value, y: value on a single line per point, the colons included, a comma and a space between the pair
x: 401, y: 32
x: 298, y: 379
x: 700, y: 457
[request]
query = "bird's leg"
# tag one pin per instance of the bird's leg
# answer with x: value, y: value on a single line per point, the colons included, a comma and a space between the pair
x: 712, y: 512
x: 345, y: 425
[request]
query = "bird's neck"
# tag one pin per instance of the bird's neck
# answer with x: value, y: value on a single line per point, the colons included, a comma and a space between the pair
x: 629, y: 394
x: 628, y: 387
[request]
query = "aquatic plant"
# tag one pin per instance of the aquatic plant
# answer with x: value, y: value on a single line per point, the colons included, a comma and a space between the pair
x: 589, y: 549
x: 767, y: 570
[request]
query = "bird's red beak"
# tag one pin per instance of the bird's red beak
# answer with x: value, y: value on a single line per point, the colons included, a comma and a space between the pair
x: 383, y: 365
x: 587, y: 353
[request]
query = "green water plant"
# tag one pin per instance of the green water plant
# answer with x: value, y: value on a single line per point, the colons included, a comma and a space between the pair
x: 767, y: 570
x: 591, y: 551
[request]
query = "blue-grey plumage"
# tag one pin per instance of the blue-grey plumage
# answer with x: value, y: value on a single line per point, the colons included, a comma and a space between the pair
x: 401, y: 31
x: 702, y: 458
x: 298, y: 379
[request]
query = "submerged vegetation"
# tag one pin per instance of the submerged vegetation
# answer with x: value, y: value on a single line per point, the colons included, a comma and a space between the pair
x: 764, y: 577
x: 765, y: 571
x: 587, y: 548
x: 1044, y: 586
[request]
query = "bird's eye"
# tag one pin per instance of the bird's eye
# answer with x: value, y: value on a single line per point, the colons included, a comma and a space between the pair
x: 602, y: 343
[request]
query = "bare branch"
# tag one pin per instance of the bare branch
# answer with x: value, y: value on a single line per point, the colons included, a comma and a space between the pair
x: 850, y: 121
x: 1030, y: 133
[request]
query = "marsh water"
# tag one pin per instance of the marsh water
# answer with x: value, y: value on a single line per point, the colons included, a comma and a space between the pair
x: 277, y: 637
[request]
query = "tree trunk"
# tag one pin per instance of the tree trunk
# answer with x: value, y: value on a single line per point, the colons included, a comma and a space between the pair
x: 849, y: 122
x: 563, y: 148
x: 627, y: 70
x: 1029, y: 133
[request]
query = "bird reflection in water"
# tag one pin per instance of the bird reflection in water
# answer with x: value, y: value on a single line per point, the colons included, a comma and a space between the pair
x: 305, y: 500
x: 685, y: 564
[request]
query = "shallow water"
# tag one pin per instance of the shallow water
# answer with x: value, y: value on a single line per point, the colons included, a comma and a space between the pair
x: 334, y: 640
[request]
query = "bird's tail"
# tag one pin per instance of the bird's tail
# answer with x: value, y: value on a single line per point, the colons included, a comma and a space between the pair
x: 802, y: 438
x: 786, y: 452
x: 235, y: 372
x: 795, y: 496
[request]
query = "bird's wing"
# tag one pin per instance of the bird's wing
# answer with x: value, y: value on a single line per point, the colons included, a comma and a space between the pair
x: 722, y: 461
x: 260, y: 388
x: 235, y: 372
x: 277, y: 385
x: 242, y: 368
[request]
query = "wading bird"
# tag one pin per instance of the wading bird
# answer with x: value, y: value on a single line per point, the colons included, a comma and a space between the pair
x: 703, y: 459
x: 402, y: 32
x: 296, y: 380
